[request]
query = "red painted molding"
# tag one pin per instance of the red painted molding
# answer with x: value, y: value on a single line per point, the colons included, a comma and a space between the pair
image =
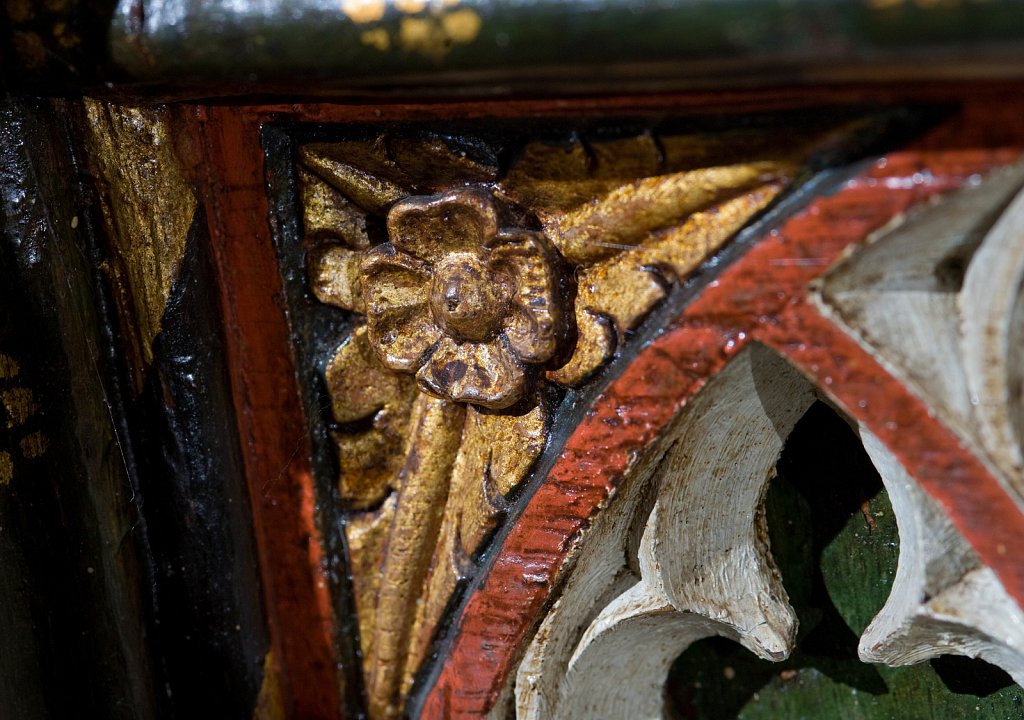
x: 275, y: 445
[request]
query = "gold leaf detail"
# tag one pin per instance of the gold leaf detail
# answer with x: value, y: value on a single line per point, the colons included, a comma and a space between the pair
x: 367, y: 534
x: 327, y: 214
x: 148, y: 206
x: 496, y: 453
x: 439, y: 164
x: 334, y: 277
x: 622, y: 289
x: 361, y: 387
x: 436, y: 432
x: 364, y: 174
x: 625, y: 289
x: 626, y: 216
x: 595, y: 345
x: 19, y: 404
x: 486, y: 373
x: 34, y: 445
x: 475, y: 311
x: 431, y: 228
x: 554, y: 178
x: 459, y: 303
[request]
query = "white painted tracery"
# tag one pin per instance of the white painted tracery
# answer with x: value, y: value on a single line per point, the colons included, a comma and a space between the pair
x: 682, y: 553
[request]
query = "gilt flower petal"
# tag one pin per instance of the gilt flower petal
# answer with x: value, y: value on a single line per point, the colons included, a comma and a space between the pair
x: 395, y: 292
x: 392, y: 279
x: 433, y: 226
x: 534, y: 318
x: 487, y: 374
x: 334, y: 276
x: 402, y: 335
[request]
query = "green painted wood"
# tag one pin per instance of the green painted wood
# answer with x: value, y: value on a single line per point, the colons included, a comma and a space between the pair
x: 838, y: 559
x: 326, y: 39
x: 413, y: 47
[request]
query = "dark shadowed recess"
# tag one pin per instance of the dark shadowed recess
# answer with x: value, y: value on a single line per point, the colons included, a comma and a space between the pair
x: 834, y: 536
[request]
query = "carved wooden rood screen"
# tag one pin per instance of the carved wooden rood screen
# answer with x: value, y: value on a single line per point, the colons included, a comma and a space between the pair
x: 389, y: 360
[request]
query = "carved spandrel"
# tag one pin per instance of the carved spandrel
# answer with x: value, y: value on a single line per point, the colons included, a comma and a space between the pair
x: 489, y: 288
x: 765, y: 296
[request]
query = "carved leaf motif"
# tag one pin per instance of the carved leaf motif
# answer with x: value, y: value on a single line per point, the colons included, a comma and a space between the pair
x: 435, y: 435
x: 626, y: 287
x: 496, y: 453
x: 595, y: 345
x: 329, y: 215
x: 362, y: 171
x: 362, y: 388
x: 438, y: 162
x: 334, y: 277
x: 629, y: 214
x: 554, y: 178
x: 367, y: 536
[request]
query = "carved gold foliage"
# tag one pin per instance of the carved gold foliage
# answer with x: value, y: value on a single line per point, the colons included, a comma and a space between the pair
x: 329, y: 214
x: 482, y: 288
x: 496, y: 452
x: 362, y: 388
x: 626, y: 287
x: 436, y: 433
x: 635, y: 214
x: 459, y: 303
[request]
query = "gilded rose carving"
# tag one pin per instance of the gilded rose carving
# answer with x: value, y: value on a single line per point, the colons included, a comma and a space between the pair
x: 464, y: 305
x: 479, y: 287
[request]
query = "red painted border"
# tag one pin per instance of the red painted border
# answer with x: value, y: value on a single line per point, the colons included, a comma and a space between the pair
x: 762, y: 297
x: 275, y: 445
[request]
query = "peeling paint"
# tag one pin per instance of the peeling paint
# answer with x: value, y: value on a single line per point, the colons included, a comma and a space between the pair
x: 8, y: 366
x: 34, y: 445
x: 20, y: 405
x: 6, y: 468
